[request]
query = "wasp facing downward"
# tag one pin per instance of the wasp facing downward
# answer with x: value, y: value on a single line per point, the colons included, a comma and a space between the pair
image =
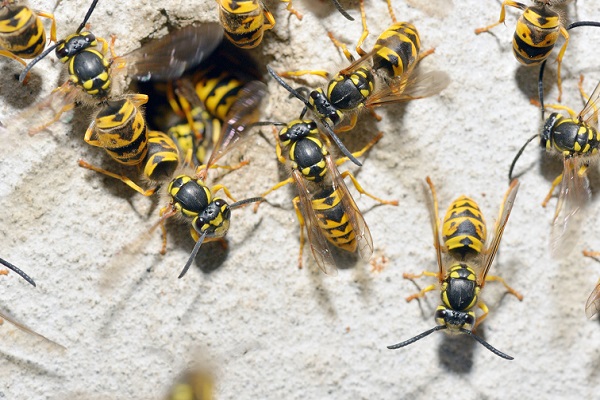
x: 463, y: 265
x: 324, y: 205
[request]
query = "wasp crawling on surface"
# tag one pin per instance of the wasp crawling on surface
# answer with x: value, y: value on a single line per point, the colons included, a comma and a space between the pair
x: 577, y: 141
x: 91, y: 70
x: 537, y: 31
x: 245, y: 21
x: 379, y: 77
x: 22, y: 34
x: 463, y: 265
x: 324, y: 205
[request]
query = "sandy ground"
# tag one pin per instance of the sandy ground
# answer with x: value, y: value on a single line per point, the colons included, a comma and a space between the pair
x: 274, y: 331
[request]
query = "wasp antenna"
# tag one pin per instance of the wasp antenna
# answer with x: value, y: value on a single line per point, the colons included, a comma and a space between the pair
x: 87, y: 16
x: 514, y: 161
x: 264, y: 123
x: 341, y: 10
x: 193, y: 255
x: 541, y: 87
x: 290, y: 89
x: 487, y: 345
x: 583, y: 23
x: 38, y: 59
x: 246, y: 201
x: 18, y: 271
x: 340, y: 145
x: 418, y: 337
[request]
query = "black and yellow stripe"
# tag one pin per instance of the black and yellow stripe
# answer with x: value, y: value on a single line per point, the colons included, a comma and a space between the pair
x: 397, y: 49
x: 21, y: 31
x: 569, y: 137
x: 245, y: 21
x: 333, y: 220
x: 464, y: 230
x: 537, y: 31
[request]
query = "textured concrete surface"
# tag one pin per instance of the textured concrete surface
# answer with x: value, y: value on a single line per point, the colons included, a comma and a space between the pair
x: 130, y: 326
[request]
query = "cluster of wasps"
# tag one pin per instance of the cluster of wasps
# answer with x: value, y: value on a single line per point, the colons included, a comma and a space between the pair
x: 212, y: 106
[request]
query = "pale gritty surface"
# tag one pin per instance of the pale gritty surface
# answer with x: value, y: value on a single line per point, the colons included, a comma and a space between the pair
x: 276, y: 332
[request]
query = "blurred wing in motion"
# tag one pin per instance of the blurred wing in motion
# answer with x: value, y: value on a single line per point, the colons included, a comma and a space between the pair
x: 23, y: 328
x: 589, y: 113
x: 170, y: 56
x: 434, y: 217
x: 592, y: 306
x: 408, y: 87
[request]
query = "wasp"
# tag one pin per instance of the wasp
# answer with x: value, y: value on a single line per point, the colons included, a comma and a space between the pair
x: 463, y: 265
x: 190, y: 197
x: 379, y: 77
x: 324, y: 205
x: 245, y: 21
x: 577, y: 141
x: 537, y: 31
x: 91, y: 70
x: 22, y: 327
x: 22, y: 34
x: 194, y: 384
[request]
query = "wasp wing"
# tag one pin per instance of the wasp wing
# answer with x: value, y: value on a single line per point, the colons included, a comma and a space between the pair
x: 364, y: 241
x: 318, y: 243
x: 589, y: 113
x: 31, y: 332
x: 170, y: 56
x: 408, y: 87
x: 244, y: 112
x: 592, y: 305
x: 573, y: 196
x: 505, y: 209
x: 434, y: 217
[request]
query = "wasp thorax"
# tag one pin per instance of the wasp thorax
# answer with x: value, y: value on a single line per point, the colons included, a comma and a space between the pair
x: 190, y: 197
x: 297, y: 130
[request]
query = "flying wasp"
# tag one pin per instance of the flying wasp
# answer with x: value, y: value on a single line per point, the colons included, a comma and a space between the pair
x: 463, y: 265
x: 577, y: 141
x: 324, y: 205
x: 245, y: 21
x: 91, y: 70
x: 22, y: 34
x: 382, y: 76
x: 537, y: 31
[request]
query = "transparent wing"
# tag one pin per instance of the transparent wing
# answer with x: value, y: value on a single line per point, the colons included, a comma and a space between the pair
x: 45, y: 112
x: 364, y: 241
x: 574, y: 195
x: 238, y: 121
x: 592, y: 306
x: 433, y: 8
x: 434, y: 217
x: 492, y: 249
x: 31, y: 332
x: 410, y: 86
x: 170, y: 56
x: 589, y: 114
x: 318, y: 243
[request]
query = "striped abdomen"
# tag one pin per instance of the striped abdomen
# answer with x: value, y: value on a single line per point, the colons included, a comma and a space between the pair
x: 21, y: 32
x: 121, y: 130
x: 244, y: 22
x: 569, y: 137
x: 332, y: 219
x: 464, y: 230
x: 536, y: 33
x: 162, y: 158
x: 397, y: 49
x: 217, y: 90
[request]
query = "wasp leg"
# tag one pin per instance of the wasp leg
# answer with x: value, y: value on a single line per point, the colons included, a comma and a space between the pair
x: 341, y: 46
x: 555, y: 183
x: 508, y: 288
x: 559, y: 58
x: 483, y: 316
x: 49, y: 16
x: 591, y: 253
x: 64, y: 87
x: 290, y: 9
x: 424, y: 54
x: 352, y: 124
x: 506, y: 3
x: 365, y: 30
x: 362, y: 191
x: 316, y: 72
x: 422, y: 292
x: 362, y: 151
x: 122, y: 178
x: 11, y: 55
x: 586, y: 97
x: 391, y: 11
x: 218, y: 187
